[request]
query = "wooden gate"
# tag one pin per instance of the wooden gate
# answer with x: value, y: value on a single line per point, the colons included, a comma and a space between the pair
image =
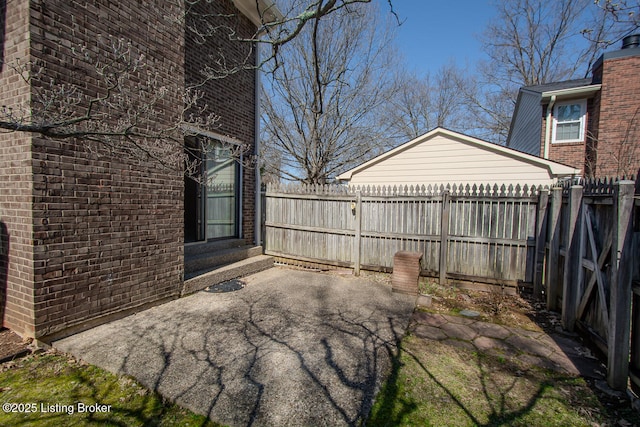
x: 590, y: 268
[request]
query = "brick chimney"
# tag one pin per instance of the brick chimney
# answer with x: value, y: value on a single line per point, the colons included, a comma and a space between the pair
x: 613, y: 143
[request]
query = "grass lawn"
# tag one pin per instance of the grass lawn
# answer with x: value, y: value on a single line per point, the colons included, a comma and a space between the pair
x: 435, y: 384
x: 45, y: 380
x: 431, y: 384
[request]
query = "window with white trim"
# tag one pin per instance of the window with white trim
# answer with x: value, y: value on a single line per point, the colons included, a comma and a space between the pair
x: 569, y: 121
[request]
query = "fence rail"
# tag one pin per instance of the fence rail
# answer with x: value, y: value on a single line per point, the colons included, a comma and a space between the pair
x: 464, y: 232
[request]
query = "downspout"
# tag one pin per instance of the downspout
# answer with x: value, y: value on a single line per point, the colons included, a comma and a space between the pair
x: 257, y: 223
x: 547, y: 132
x: 240, y: 205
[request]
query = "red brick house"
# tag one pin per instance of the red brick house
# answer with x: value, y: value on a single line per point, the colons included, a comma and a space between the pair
x: 592, y: 124
x: 89, y: 235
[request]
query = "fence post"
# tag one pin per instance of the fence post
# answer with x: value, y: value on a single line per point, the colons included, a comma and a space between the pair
x: 357, y: 244
x: 552, y: 279
x: 634, y: 359
x: 260, y: 240
x: 444, y: 237
x: 541, y: 241
x: 572, y: 259
x: 621, y: 276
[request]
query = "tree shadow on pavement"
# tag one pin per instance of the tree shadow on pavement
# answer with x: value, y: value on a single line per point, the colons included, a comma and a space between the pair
x: 264, y: 355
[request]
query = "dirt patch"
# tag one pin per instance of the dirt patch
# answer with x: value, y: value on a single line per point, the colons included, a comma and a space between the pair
x: 519, y: 311
x: 11, y: 345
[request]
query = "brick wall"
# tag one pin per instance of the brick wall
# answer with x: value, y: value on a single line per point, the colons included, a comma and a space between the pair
x: 16, y: 249
x: 232, y: 97
x: 107, y: 235
x: 618, y: 125
x: 94, y: 232
x: 568, y: 154
x: 107, y: 228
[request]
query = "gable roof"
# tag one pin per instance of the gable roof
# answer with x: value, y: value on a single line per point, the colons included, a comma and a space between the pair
x: 555, y: 168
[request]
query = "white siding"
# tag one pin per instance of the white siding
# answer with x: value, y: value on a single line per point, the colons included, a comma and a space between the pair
x: 526, y: 133
x: 446, y: 160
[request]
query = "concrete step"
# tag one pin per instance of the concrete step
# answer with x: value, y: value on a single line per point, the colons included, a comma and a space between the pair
x: 218, y: 245
x: 209, y: 277
x: 194, y: 263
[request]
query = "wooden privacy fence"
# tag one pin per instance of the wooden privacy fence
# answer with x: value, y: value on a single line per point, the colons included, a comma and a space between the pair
x: 592, y: 271
x: 471, y: 234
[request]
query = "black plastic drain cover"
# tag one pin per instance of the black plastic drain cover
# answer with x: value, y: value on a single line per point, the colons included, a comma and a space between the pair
x: 230, y: 286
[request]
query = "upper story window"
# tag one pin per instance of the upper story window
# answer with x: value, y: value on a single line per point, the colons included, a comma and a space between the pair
x: 569, y: 121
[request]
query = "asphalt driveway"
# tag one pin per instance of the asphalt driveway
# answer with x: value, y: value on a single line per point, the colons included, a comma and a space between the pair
x: 290, y: 348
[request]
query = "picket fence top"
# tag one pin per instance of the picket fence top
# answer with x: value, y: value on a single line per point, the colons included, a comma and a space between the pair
x: 596, y: 186
x: 472, y: 190
x: 591, y: 187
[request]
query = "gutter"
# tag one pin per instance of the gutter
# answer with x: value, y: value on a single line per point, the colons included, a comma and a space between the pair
x: 547, y: 131
x: 581, y: 91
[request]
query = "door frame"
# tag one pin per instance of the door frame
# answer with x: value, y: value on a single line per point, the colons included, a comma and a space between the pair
x: 200, y: 213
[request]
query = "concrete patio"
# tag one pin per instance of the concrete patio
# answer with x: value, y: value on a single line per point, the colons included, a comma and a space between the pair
x: 290, y: 348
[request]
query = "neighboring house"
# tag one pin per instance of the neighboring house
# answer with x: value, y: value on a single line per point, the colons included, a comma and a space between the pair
x: 442, y: 156
x: 88, y: 236
x: 592, y: 124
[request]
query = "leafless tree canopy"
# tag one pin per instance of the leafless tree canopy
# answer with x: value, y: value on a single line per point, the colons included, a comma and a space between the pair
x: 533, y: 41
x: 419, y: 104
x: 622, y: 17
x: 319, y: 107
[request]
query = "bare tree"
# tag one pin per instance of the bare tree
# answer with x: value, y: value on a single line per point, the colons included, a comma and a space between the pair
x: 318, y: 111
x: 491, y: 106
x: 621, y: 18
x: 419, y: 104
x: 535, y: 41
